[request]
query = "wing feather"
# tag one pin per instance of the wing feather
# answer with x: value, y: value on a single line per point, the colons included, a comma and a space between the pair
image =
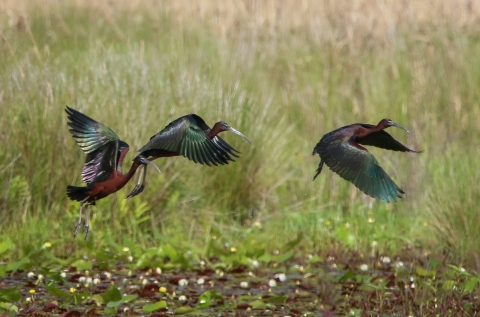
x: 357, y: 165
x: 185, y: 137
x: 382, y: 139
x: 98, y: 141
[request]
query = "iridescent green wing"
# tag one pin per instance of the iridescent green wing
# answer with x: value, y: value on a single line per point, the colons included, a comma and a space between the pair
x: 97, y: 141
x: 382, y: 139
x: 355, y: 164
x: 185, y: 137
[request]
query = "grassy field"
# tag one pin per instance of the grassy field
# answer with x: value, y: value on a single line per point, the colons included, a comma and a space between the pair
x: 283, y: 73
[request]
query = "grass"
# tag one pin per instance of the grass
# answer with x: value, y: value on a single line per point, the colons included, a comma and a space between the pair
x: 283, y: 74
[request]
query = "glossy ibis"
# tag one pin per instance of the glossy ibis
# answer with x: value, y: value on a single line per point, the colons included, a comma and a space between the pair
x: 102, y: 169
x: 343, y: 152
x: 192, y: 138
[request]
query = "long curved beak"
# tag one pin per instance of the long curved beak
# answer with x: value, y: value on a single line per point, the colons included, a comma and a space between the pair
x: 399, y: 126
x: 154, y: 166
x: 239, y: 133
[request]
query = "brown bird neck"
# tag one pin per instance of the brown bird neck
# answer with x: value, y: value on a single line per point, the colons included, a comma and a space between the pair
x: 217, y: 128
x: 126, y: 177
x: 121, y: 158
x: 366, y: 131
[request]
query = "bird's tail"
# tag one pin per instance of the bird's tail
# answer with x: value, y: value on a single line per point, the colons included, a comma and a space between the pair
x: 77, y: 193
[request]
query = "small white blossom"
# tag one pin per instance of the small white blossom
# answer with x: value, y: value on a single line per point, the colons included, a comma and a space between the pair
x: 255, y: 263
x: 272, y: 283
x: 281, y: 277
x: 244, y: 284
x: 386, y: 260
x: 81, y: 279
x: 63, y: 274
x: 130, y: 258
x: 183, y: 282
x: 364, y: 267
x: 200, y: 281
x: 30, y: 274
x: 158, y: 270
x: 96, y: 281
x: 182, y: 298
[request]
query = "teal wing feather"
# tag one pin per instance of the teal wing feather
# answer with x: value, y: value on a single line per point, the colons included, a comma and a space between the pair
x: 98, y: 141
x: 355, y: 164
x: 382, y: 139
x: 185, y: 137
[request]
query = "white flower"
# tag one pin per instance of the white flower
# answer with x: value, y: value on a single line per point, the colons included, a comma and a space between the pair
x: 183, y: 282
x: 364, y: 267
x: 182, y: 298
x: 244, y: 284
x: 200, y: 281
x: 30, y: 274
x: 281, y: 277
x: 272, y: 283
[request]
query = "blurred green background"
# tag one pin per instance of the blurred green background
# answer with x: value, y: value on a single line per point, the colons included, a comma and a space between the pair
x: 282, y: 72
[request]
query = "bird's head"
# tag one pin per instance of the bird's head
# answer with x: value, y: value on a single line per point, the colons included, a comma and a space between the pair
x: 386, y: 123
x: 122, y: 145
x: 144, y: 161
x: 223, y: 126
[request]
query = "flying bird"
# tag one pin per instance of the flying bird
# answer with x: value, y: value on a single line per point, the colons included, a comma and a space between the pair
x: 343, y: 152
x: 191, y: 137
x: 102, y: 170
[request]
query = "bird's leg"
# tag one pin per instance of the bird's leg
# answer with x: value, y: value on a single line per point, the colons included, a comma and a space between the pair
x: 87, y: 223
x: 140, y: 186
x: 319, y: 170
x: 79, y: 223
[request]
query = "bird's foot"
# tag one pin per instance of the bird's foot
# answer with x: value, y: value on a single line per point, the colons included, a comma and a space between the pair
x: 77, y: 228
x: 137, y: 190
x: 87, y: 230
x: 318, y: 171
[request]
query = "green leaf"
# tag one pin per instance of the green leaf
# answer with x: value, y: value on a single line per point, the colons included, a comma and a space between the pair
x: 205, y: 300
x: 155, y: 306
x: 345, y: 236
x: 110, y: 311
x: 183, y: 310
x: 348, y: 275
x: 292, y: 244
x: 470, y: 285
x: 124, y: 299
x: 57, y: 292
x: 276, y: 299
x: 10, y: 294
x: 258, y: 304
x: 5, y: 246
x: 433, y: 264
x: 448, y: 285
x: 82, y: 265
x: 111, y: 295
x: 8, y: 307
x: 282, y: 257
x: 13, y: 267
x: 3, y: 271
x: 425, y: 273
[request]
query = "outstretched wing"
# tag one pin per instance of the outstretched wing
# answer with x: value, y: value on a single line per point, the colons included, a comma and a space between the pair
x: 382, y: 139
x: 97, y: 141
x: 355, y: 164
x: 185, y: 137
